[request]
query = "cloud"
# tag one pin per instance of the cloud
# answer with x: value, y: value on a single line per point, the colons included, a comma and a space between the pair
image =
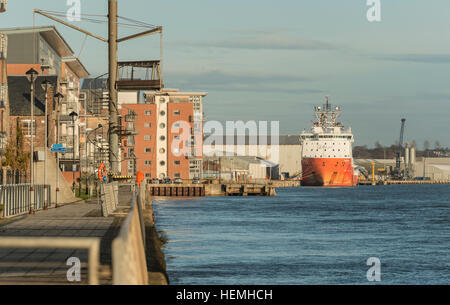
x: 223, y: 81
x: 263, y: 40
x: 418, y: 58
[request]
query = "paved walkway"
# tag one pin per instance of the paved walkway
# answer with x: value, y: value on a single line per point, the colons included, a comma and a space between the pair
x: 48, y: 266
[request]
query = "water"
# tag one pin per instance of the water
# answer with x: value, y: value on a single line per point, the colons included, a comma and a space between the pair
x: 309, y: 236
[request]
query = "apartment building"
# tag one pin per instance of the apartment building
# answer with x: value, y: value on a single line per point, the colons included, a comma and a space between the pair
x: 45, y: 50
x: 162, y: 136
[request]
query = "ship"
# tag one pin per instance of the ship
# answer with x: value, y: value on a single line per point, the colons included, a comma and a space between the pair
x: 327, y: 158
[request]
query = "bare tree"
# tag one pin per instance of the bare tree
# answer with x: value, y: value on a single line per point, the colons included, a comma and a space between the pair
x: 437, y: 145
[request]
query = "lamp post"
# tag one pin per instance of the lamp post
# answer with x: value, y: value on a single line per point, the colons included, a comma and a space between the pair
x: 31, y: 75
x: 73, y: 115
x: 45, y: 85
x: 88, y: 139
x: 58, y: 97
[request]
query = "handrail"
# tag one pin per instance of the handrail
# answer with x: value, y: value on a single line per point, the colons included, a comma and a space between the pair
x: 92, y: 244
x: 128, y: 249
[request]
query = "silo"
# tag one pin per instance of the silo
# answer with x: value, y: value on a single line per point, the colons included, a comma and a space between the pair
x: 406, y: 156
x: 412, y: 156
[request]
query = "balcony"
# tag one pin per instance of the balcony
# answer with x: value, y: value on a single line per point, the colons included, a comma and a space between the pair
x: 149, y: 70
x: 3, y: 4
x: 130, y: 118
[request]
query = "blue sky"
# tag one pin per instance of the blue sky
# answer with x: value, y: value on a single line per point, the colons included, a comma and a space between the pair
x: 275, y: 60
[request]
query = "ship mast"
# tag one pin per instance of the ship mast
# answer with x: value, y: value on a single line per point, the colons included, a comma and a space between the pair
x: 327, y: 118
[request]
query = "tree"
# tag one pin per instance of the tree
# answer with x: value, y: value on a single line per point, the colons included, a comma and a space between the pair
x: 426, y: 145
x: 437, y: 145
x: 413, y: 144
x: 378, y: 144
x: 15, y: 156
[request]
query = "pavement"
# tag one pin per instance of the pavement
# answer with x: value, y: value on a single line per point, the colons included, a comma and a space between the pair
x: 48, y: 266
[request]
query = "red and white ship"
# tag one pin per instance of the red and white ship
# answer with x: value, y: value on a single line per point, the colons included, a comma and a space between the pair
x: 327, y: 158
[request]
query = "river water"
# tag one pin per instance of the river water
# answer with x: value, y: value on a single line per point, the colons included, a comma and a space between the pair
x: 309, y: 236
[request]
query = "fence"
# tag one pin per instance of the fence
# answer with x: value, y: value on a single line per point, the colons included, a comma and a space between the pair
x: 92, y: 244
x: 8, y: 176
x: 128, y: 249
x: 109, y: 198
x: 16, y: 198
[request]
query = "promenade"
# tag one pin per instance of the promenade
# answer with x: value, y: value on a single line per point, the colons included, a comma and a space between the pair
x: 77, y: 220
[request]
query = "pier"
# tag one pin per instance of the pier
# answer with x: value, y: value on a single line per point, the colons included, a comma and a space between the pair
x: 218, y: 189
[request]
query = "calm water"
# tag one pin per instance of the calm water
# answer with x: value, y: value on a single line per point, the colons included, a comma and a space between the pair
x: 310, y: 236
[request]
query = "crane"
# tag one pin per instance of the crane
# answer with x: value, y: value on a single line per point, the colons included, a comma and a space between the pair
x: 398, y: 174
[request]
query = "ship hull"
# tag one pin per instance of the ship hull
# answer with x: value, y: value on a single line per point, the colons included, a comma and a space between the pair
x: 328, y: 172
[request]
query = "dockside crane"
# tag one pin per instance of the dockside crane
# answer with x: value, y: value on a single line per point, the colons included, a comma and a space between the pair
x: 398, y: 173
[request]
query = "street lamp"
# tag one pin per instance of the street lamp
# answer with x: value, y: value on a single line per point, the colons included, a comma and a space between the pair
x: 31, y: 75
x: 87, y: 158
x: 45, y: 85
x: 73, y: 115
x: 58, y: 98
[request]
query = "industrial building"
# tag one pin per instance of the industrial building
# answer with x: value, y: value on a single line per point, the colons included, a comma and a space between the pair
x: 283, y: 150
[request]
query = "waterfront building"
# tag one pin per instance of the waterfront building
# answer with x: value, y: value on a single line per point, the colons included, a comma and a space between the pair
x: 162, y: 136
x: 45, y: 50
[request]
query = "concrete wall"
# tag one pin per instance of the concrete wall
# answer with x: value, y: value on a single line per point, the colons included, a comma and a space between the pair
x: 65, y: 194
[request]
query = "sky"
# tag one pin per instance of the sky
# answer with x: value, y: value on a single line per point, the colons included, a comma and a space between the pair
x: 273, y: 60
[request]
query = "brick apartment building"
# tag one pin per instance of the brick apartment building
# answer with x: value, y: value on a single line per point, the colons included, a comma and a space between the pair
x: 46, y: 51
x: 163, y: 136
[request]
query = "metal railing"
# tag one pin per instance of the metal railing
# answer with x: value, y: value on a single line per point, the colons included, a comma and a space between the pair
x: 92, y: 244
x: 16, y: 199
x: 128, y: 249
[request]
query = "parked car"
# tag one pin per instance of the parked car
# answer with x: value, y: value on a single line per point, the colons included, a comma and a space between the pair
x: 196, y: 181
x: 166, y: 181
x: 154, y: 181
x: 178, y: 181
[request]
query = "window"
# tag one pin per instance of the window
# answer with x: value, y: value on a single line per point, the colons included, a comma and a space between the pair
x: 162, y: 113
x: 147, y: 125
x: 147, y: 175
x: 148, y: 112
x: 176, y: 112
x: 177, y: 175
x: 177, y: 162
x: 147, y: 138
x: 26, y: 128
x: 176, y: 137
x: 162, y: 125
x: 147, y: 150
x: 148, y: 162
